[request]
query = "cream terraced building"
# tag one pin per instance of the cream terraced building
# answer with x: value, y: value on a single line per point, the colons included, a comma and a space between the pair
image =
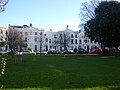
x: 3, y: 39
x: 42, y: 40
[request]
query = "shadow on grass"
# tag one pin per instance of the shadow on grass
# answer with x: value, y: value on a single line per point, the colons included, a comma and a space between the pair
x: 47, y: 88
x: 58, y: 73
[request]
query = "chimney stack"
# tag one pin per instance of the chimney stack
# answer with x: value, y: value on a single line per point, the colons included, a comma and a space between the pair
x: 30, y: 24
x: 67, y: 27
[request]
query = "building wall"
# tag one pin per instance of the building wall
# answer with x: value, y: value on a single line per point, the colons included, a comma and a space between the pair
x: 33, y: 37
x: 3, y: 38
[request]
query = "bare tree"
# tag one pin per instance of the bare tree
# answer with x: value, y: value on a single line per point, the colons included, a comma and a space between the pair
x: 3, y: 3
x: 87, y: 11
x: 15, y: 39
x: 2, y: 38
x: 56, y: 41
x: 63, y: 40
x: 41, y: 39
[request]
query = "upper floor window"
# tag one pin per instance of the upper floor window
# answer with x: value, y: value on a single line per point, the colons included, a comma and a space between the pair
x: 20, y: 32
x: 46, y: 39
x: 55, y: 36
x: 71, y: 35
x: 76, y: 41
x: 80, y: 42
x: 95, y: 41
x: 49, y: 40
x: 76, y: 36
x: 72, y: 41
x: 35, y: 33
x: 26, y: 33
x: 45, y: 35
x: 25, y: 39
x: 6, y: 33
x: 35, y: 39
x: 1, y: 31
x: 60, y: 35
x: 85, y: 41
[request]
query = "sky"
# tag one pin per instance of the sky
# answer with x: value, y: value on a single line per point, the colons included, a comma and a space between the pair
x: 43, y: 14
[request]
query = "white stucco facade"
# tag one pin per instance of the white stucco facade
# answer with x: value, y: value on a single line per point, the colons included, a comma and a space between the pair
x: 43, y: 40
x: 3, y: 38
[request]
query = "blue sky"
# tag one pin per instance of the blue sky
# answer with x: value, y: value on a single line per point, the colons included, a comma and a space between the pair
x: 46, y: 14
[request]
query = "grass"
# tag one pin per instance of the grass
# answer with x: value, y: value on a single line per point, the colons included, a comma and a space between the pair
x: 53, y: 72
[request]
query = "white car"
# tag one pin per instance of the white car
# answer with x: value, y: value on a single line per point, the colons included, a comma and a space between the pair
x: 3, y: 52
x: 28, y: 52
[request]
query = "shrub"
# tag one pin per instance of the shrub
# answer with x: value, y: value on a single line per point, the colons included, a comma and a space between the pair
x: 2, y: 65
x: 30, y: 49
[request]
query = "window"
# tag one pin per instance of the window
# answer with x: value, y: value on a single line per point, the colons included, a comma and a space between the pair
x: 6, y: 33
x: 79, y: 47
x: 26, y: 33
x: 49, y: 40
x: 50, y: 47
x: 25, y: 39
x: 35, y: 47
x: 45, y: 35
x: 71, y: 35
x: 1, y: 31
x: 95, y: 41
x: 20, y: 32
x: 41, y: 33
x: 60, y: 35
x: 72, y: 41
x: 85, y: 41
x: 35, y: 33
x: 35, y: 39
x: 80, y: 42
x: 46, y: 39
x: 55, y: 36
x: 75, y: 41
x: 76, y: 36
x: 72, y: 48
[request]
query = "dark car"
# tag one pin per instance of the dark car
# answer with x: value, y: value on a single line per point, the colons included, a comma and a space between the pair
x: 53, y: 52
x: 68, y: 52
x: 82, y: 51
x: 96, y: 51
x: 43, y: 53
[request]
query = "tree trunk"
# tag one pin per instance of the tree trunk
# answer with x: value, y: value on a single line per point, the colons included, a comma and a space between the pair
x: 116, y: 51
x: 103, y: 50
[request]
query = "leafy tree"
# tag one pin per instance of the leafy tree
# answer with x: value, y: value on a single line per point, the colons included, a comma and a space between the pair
x: 105, y: 27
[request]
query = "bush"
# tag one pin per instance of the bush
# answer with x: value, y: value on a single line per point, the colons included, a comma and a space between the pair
x: 2, y: 65
x: 30, y: 49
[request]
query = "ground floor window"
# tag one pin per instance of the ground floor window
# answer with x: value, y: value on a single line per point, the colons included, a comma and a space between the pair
x: 35, y: 47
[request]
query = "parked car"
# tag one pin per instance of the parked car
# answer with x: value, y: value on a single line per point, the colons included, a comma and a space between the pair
x: 28, y: 52
x: 53, y: 52
x: 44, y: 53
x: 97, y: 51
x: 3, y: 52
x: 82, y: 51
x: 68, y: 52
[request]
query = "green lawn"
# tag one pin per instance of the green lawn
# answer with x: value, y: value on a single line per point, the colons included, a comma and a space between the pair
x: 53, y: 72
